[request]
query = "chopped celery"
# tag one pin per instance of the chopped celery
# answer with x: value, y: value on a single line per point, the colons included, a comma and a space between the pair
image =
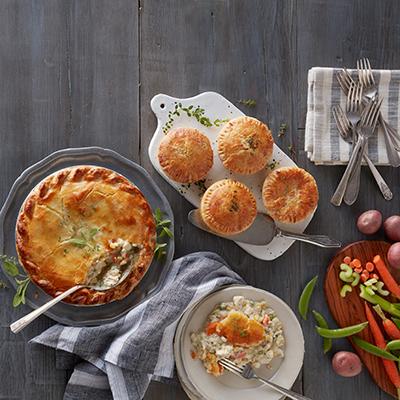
x: 356, y: 280
x: 370, y: 282
x: 345, y: 289
x: 345, y: 278
x: 376, y: 299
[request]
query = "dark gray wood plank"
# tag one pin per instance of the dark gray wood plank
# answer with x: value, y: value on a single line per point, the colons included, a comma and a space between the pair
x: 69, y: 77
x: 235, y: 48
x: 336, y: 34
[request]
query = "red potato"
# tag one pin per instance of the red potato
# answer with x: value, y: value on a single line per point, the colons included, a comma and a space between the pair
x: 392, y: 228
x: 346, y: 364
x: 369, y: 222
x: 393, y: 255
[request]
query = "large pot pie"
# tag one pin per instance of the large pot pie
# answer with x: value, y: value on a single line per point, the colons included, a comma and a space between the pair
x: 72, y: 217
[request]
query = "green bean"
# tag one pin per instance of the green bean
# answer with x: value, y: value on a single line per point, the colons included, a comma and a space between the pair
x: 305, y: 297
x: 321, y: 321
x: 341, y: 332
x: 345, y: 289
x: 393, y: 345
x: 376, y: 351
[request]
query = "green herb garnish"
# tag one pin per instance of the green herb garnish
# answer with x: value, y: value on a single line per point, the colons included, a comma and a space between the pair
x: 282, y: 129
x: 273, y: 164
x: 191, y: 111
x: 10, y: 267
x: 248, y: 102
x: 162, y: 228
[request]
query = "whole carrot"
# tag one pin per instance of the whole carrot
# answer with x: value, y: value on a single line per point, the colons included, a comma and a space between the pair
x: 390, y: 327
x: 386, y: 276
x: 390, y: 366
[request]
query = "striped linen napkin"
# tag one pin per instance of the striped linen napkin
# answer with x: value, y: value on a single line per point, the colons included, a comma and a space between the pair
x: 323, y: 143
x: 118, y: 360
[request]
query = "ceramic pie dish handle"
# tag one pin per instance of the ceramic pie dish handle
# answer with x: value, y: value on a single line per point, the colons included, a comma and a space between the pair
x: 27, y: 319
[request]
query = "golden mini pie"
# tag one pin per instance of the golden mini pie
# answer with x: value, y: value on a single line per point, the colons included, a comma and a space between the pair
x: 228, y: 207
x: 185, y: 155
x: 71, y: 218
x: 290, y: 194
x: 245, y: 145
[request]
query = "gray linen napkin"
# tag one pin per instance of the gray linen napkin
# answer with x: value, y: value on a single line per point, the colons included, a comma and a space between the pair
x: 121, y: 358
x: 322, y: 140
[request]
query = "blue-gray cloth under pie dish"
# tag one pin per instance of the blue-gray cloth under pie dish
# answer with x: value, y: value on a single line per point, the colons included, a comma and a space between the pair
x: 118, y: 360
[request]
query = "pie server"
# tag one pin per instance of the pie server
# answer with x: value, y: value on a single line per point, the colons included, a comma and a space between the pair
x: 262, y: 231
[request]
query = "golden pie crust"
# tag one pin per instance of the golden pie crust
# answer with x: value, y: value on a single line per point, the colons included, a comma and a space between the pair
x: 228, y: 207
x: 68, y: 220
x: 290, y: 194
x: 185, y: 155
x: 245, y: 145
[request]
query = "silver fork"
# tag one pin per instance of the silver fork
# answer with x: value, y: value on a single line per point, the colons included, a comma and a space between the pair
x: 353, y: 109
x: 366, y: 128
x: 248, y: 373
x: 346, y: 133
x: 389, y: 133
x: 356, y: 155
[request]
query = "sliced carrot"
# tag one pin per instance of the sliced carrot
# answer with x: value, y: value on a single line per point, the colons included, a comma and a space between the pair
x: 365, y: 275
x: 390, y: 327
x: 375, y: 276
x: 369, y: 266
x: 356, y: 262
x: 347, y: 260
x: 386, y: 276
x: 211, y: 328
x: 352, y: 264
x: 390, y: 366
x: 358, y: 270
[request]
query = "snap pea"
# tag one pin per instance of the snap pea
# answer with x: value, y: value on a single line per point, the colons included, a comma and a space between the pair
x: 305, y: 297
x: 393, y: 345
x: 345, y: 289
x: 321, y: 321
x: 341, y: 332
x: 376, y: 351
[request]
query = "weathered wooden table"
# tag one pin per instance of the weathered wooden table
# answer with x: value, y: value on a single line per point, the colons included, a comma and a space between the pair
x: 80, y: 73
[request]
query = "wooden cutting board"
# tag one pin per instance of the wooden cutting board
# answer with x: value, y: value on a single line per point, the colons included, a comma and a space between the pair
x: 350, y: 310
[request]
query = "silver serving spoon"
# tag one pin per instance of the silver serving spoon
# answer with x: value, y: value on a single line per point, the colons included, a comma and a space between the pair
x: 91, y: 282
x: 263, y: 231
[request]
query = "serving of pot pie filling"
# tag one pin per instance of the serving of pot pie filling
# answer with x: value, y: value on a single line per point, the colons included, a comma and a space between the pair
x: 185, y: 155
x: 228, y: 207
x: 242, y: 330
x: 290, y: 194
x: 72, y: 219
x: 245, y: 145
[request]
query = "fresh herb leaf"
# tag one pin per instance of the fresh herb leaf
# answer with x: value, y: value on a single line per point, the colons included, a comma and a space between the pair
x: 248, y: 102
x: 79, y: 242
x: 162, y: 228
x: 282, y: 129
x: 219, y: 122
x: 93, y: 232
x: 10, y: 267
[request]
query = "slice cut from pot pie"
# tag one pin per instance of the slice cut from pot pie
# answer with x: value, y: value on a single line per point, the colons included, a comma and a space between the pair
x: 245, y: 145
x: 228, y: 207
x: 71, y: 218
x: 185, y: 155
x: 290, y: 194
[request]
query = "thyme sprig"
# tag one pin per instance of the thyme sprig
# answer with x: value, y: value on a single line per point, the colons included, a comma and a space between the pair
x: 10, y: 267
x: 196, y: 112
x: 162, y: 228
x: 248, y: 102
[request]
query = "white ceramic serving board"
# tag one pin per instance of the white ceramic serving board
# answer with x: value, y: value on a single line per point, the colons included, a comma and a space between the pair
x: 217, y: 107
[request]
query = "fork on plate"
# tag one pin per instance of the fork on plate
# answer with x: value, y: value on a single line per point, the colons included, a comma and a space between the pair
x: 247, y: 372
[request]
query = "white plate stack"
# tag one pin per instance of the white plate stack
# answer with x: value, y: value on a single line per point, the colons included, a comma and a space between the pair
x: 198, y: 384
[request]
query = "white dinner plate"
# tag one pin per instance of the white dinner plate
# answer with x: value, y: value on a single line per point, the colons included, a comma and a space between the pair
x: 218, y: 107
x: 284, y: 372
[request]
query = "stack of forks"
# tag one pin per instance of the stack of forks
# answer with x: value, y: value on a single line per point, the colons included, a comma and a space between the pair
x: 356, y: 126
